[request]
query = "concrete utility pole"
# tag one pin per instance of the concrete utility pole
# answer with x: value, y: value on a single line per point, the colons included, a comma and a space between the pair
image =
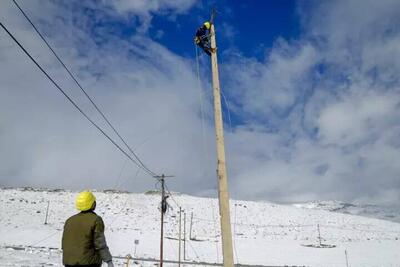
x: 227, y: 248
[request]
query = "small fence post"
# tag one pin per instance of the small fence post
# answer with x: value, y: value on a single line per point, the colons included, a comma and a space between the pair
x: 128, y: 258
x: 47, y: 212
x: 319, y: 236
x: 190, y: 228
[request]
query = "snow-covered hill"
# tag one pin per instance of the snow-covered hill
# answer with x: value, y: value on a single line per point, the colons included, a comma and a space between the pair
x: 372, y: 211
x: 264, y: 233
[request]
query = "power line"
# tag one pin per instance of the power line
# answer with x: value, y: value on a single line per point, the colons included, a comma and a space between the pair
x: 72, y: 101
x: 83, y: 90
x: 170, y: 195
x: 124, y: 204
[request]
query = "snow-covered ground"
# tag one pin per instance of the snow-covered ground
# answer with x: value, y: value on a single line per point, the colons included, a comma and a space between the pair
x: 264, y: 233
x: 389, y: 213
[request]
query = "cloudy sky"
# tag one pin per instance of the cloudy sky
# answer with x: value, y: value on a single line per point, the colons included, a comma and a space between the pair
x: 311, y: 97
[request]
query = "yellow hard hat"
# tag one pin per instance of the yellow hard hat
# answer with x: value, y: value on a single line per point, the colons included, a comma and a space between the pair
x: 84, y: 201
x: 207, y: 24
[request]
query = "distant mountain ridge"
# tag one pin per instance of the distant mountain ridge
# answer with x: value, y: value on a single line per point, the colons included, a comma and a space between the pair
x: 366, y: 210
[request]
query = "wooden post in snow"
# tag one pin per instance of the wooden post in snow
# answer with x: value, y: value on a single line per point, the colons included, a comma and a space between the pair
x: 191, y: 225
x: 47, y: 212
x: 319, y: 236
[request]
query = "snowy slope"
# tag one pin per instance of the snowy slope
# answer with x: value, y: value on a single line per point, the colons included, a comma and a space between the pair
x: 373, y: 211
x: 265, y: 233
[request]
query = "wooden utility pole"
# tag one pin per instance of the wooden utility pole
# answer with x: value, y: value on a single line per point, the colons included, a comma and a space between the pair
x: 164, y: 204
x: 227, y: 248
x: 184, y: 235
x: 180, y: 236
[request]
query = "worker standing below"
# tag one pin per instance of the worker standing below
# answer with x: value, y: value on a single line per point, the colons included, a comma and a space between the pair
x: 202, y: 38
x: 83, y: 240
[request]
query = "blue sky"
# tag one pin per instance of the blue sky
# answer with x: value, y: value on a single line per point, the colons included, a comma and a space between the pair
x: 249, y: 27
x: 253, y: 26
x: 313, y: 91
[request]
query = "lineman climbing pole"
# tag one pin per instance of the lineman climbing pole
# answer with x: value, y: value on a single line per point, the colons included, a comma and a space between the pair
x: 223, y: 195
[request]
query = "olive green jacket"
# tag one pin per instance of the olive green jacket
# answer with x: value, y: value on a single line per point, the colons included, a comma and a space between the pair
x: 83, y: 240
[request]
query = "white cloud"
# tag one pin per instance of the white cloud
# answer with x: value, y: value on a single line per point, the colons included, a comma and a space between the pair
x: 152, y: 6
x: 270, y: 88
x: 145, y: 9
x: 356, y: 118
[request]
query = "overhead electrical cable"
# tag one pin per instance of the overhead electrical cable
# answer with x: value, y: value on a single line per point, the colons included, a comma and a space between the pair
x: 72, y: 101
x: 171, y: 196
x: 83, y: 90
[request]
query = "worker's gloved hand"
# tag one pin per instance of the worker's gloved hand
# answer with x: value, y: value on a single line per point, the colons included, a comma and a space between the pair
x: 110, y: 264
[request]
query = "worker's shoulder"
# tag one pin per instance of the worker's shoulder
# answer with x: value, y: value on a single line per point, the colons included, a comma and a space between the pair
x: 87, y: 216
x: 96, y: 218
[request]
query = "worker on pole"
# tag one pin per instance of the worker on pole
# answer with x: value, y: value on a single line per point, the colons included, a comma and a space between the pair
x: 83, y: 240
x: 202, y: 38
